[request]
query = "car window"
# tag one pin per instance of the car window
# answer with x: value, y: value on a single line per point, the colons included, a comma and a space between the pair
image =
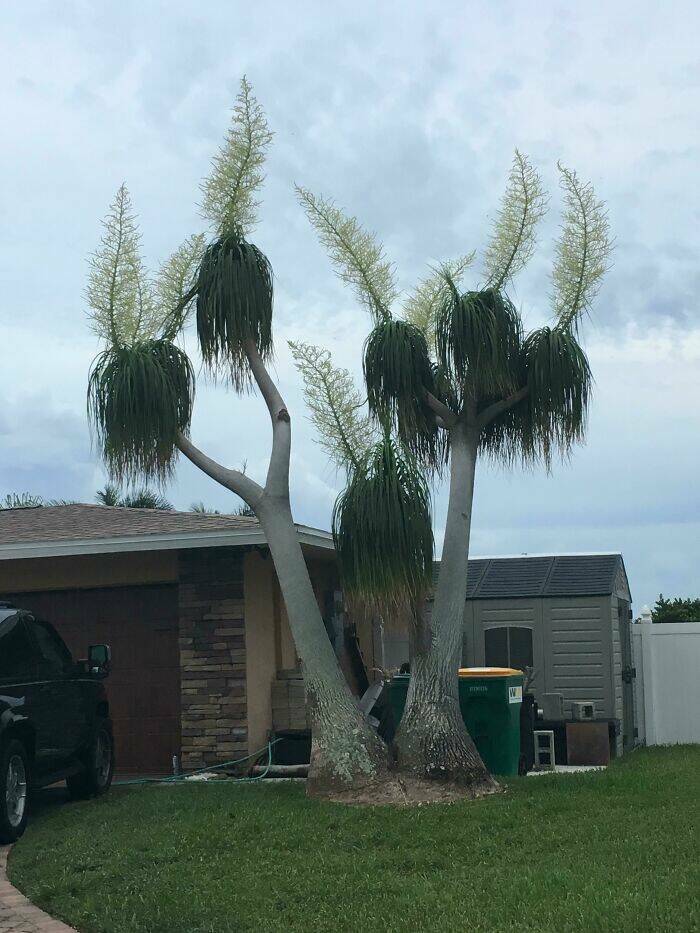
x: 51, y: 645
x: 17, y: 653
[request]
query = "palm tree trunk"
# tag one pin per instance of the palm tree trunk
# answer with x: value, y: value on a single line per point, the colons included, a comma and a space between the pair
x: 346, y: 753
x: 432, y: 740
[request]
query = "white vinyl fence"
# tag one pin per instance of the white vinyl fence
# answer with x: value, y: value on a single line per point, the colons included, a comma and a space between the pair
x: 667, y: 686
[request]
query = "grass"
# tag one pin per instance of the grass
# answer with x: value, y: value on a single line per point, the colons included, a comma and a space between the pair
x: 615, y: 850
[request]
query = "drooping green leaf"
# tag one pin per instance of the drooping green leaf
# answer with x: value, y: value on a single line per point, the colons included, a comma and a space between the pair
x: 398, y: 373
x: 383, y: 534
x: 139, y: 399
x: 560, y: 381
x: 234, y: 305
x: 422, y: 305
x: 552, y: 417
x: 478, y: 339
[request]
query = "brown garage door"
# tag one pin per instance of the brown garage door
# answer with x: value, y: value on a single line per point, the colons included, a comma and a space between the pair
x: 140, y: 623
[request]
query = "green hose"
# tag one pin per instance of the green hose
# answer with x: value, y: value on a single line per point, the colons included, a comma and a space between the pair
x: 175, y: 778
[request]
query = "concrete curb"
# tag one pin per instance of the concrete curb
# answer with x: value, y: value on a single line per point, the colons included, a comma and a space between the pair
x: 17, y: 914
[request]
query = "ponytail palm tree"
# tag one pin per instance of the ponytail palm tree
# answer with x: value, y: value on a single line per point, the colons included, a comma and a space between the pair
x: 142, y: 388
x: 456, y: 376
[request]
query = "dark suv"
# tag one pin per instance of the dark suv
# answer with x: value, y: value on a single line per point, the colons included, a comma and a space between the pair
x: 54, y: 717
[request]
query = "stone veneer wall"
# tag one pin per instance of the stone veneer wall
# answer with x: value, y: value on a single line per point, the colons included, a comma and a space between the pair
x: 212, y: 656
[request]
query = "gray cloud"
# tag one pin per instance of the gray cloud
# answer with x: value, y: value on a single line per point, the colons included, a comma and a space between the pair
x: 408, y: 118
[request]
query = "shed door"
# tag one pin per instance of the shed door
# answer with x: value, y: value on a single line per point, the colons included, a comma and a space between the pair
x: 508, y: 633
x: 141, y: 625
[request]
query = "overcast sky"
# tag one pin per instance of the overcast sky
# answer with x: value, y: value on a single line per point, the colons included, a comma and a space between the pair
x: 407, y: 114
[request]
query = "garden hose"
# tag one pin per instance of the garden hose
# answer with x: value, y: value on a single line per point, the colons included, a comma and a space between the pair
x: 176, y: 778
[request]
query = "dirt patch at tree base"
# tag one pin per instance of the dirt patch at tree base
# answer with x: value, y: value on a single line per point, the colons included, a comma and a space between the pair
x: 410, y: 791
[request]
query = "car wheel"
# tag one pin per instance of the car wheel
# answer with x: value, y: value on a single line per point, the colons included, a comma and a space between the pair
x: 14, y: 791
x: 98, y: 767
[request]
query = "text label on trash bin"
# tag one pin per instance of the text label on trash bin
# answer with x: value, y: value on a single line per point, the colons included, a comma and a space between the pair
x: 515, y: 694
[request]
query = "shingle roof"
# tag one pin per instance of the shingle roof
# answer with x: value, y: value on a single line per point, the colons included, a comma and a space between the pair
x: 548, y: 575
x: 81, y: 522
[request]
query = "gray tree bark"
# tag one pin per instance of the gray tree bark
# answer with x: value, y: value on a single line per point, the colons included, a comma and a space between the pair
x: 432, y: 741
x: 346, y: 752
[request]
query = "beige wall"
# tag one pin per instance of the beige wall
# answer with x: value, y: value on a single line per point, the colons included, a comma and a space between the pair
x: 87, y: 570
x: 269, y: 642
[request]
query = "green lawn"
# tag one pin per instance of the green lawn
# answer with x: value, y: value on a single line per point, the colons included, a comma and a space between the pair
x: 615, y: 850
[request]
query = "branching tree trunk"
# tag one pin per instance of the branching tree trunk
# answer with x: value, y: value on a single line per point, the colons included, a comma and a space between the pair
x: 432, y: 740
x: 346, y: 752
x: 489, y: 386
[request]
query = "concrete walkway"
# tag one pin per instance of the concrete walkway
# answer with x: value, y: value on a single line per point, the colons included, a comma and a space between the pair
x: 17, y: 915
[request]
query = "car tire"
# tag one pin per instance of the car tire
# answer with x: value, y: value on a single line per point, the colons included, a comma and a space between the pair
x: 14, y: 791
x: 95, y: 777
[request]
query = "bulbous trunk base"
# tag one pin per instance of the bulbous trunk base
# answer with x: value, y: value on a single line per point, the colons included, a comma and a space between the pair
x: 432, y: 745
x: 347, y: 756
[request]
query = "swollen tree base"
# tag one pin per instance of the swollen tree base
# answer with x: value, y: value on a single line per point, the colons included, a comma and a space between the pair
x: 406, y: 790
x: 432, y: 745
x: 347, y: 755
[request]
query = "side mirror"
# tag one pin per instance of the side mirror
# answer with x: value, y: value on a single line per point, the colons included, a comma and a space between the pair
x: 99, y: 658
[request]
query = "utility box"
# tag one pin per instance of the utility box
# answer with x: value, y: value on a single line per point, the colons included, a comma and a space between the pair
x: 490, y: 699
x: 583, y: 712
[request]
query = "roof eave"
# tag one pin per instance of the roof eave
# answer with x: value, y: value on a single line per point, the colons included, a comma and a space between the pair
x: 161, y: 542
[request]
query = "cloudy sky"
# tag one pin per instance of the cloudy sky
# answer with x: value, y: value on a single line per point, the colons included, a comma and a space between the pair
x: 407, y: 114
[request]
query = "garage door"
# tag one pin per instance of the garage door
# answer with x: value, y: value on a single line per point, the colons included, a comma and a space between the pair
x: 141, y: 625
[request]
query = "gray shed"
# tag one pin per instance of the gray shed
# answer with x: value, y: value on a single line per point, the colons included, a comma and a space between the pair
x: 567, y: 617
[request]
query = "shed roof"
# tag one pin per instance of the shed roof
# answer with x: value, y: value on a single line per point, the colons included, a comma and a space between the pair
x: 546, y: 575
x: 79, y: 528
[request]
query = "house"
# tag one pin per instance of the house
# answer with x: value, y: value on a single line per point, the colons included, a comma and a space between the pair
x: 191, y: 607
x: 564, y: 616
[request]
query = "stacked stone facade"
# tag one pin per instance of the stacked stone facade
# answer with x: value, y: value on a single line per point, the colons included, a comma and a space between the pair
x: 212, y: 656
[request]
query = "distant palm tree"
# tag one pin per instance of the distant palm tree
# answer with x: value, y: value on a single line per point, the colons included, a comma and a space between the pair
x: 20, y: 500
x: 203, y: 509
x: 143, y: 498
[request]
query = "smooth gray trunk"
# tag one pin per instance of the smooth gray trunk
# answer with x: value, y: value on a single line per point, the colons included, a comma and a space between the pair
x: 346, y: 753
x: 432, y: 740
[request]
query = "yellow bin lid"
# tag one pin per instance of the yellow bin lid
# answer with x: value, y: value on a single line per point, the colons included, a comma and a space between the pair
x: 487, y: 672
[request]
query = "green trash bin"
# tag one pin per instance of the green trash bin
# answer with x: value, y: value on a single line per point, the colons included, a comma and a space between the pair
x: 490, y: 700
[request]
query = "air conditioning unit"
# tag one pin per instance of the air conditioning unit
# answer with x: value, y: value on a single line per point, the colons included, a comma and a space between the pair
x: 583, y: 711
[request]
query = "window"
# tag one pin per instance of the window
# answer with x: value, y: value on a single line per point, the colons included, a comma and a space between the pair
x: 508, y: 646
x: 51, y: 646
x: 17, y: 655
